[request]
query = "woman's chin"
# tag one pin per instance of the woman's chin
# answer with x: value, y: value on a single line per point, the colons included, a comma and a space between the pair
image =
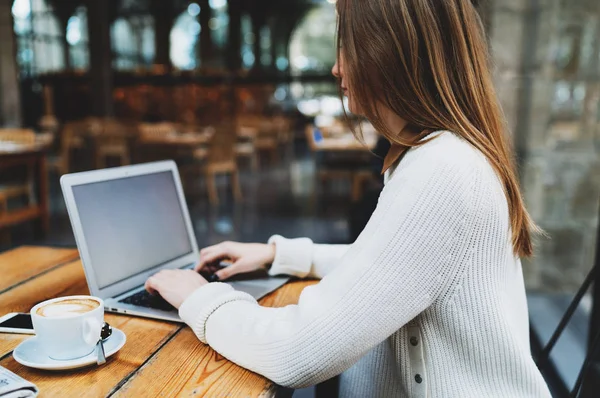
x: 353, y: 110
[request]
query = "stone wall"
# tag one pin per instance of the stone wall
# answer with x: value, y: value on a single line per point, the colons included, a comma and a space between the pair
x: 10, y: 107
x: 542, y: 49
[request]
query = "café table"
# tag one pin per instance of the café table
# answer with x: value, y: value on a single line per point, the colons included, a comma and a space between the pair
x: 186, y: 140
x: 346, y: 143
x: 34, y: 155
x: 174, y: 146
x: 159, y: 359
x: 340, y: 139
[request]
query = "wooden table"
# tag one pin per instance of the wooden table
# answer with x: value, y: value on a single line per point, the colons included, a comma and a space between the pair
x: 159, y: 358
x: 185, y: 140
x: 344, y: 144
x: 192, y: 145
x: 339, y: 141
x: 32, y: 156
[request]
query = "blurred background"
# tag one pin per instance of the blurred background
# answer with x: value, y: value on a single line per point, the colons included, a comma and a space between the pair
x: 240, y: 94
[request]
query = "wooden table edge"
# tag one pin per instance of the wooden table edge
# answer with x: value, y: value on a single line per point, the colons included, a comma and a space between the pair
x: 278, y: 390
x: 131, y: 375
x: 61, y: 263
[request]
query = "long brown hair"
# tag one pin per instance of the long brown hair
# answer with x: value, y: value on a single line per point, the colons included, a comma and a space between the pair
x: 427, y: 61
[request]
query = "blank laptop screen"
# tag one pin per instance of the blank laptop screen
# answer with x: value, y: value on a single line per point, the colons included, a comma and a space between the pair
x: 131, y: 225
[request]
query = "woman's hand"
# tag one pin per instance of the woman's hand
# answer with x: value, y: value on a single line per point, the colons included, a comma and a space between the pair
x: 246, y: 257
x: 175, y: 285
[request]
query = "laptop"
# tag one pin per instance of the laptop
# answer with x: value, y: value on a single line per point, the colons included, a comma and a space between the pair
x: 131, y: 222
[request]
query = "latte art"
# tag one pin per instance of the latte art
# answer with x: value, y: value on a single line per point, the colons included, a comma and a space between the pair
x: 68, y: 307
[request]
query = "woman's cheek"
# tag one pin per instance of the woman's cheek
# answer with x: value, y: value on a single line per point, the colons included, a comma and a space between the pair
x: 353, y: 106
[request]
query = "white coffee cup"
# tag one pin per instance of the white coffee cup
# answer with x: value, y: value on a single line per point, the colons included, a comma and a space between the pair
x: 66, y: 333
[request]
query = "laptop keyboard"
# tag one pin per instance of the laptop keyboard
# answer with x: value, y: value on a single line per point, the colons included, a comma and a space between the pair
x: 145, y: 299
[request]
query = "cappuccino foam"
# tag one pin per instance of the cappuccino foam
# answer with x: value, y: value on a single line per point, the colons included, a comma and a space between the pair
x: 68, y: 307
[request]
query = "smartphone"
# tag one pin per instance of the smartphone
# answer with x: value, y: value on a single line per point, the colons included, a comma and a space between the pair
x: 16, y: 323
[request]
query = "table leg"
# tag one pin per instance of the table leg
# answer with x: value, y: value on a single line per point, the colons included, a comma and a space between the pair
x: 43, y: 223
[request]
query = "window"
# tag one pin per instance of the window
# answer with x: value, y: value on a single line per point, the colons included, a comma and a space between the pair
x: 265, y: 45
x: 77, y: 38
x: 248, y: 38
x: 185, y: 37
x: 313, y: 47
x: 219, y: 22
x: 40, y: 38
x: 133, y: 42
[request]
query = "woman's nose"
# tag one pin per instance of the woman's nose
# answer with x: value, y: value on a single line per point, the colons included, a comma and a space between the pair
x: 336, y: 70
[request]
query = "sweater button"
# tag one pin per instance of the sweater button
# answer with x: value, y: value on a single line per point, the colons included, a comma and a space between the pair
x: 418, y: 378
x: 414, y: 341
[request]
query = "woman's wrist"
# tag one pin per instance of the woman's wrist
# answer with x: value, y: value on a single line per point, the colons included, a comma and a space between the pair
x: 272, y: 250
x: 291, y: 256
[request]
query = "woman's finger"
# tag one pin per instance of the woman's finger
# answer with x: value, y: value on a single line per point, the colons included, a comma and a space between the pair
x: 212, y: 254
x: 238, y: 267
x: 151, y: 285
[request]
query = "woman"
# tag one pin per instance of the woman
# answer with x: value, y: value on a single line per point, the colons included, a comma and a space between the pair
x: 429, y: 301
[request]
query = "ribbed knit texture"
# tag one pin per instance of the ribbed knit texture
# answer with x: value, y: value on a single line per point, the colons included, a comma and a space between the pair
x: 428, y: 302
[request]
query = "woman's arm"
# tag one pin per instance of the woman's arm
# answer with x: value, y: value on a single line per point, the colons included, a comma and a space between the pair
x: 303, y: 258
x: 417, y: 240
x: 294, y: 257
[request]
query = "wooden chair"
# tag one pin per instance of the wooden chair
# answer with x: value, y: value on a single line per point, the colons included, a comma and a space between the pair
x: 285, y: 136
x: 221, y: 159
x: 283, y: 125
x: 13, y: 190
x: 245, y: 148
x: 112, y: 140
x: 18, y: 136
x: 156, y: 131
x: 10, y: 191
x: 268, y: 139
x: 72, y: 137
x: 339, y: 169
x: 201, y: 153
x: 151, y: 135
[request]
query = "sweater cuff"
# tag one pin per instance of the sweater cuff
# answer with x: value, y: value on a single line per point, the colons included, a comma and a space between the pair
x: 197, y: 308
x: 292, y: 256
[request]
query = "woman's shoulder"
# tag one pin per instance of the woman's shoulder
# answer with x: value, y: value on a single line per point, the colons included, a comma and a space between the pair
x: 441, y: 151
x: 448, y: 146
x: 446, y: 162
x: 448, y: 178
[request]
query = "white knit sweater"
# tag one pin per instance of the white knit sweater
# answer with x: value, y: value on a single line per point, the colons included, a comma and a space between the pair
x: 428, y: 302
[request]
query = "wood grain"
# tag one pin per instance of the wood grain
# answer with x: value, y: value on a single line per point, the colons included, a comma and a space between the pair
x: 25, y: 262
x: 65, y: 280
x: 144, y: 338
x: 62, y: 281
x: 9, y: 342
x: 200, y: 371
x: 30, y: 156
x: 185, y: 367
x: 18, y: 267
x: 287, y: 294
x: 159, y: 358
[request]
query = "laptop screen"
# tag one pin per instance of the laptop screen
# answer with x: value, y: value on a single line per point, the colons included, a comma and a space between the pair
x: 131, y: 225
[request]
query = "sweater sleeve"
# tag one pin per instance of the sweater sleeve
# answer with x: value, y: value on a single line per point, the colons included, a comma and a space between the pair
x: 303, y: 258
x: 416, y: 242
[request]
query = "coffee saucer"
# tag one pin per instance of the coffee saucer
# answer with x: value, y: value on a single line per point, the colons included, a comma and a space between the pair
x: 29, y: 353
